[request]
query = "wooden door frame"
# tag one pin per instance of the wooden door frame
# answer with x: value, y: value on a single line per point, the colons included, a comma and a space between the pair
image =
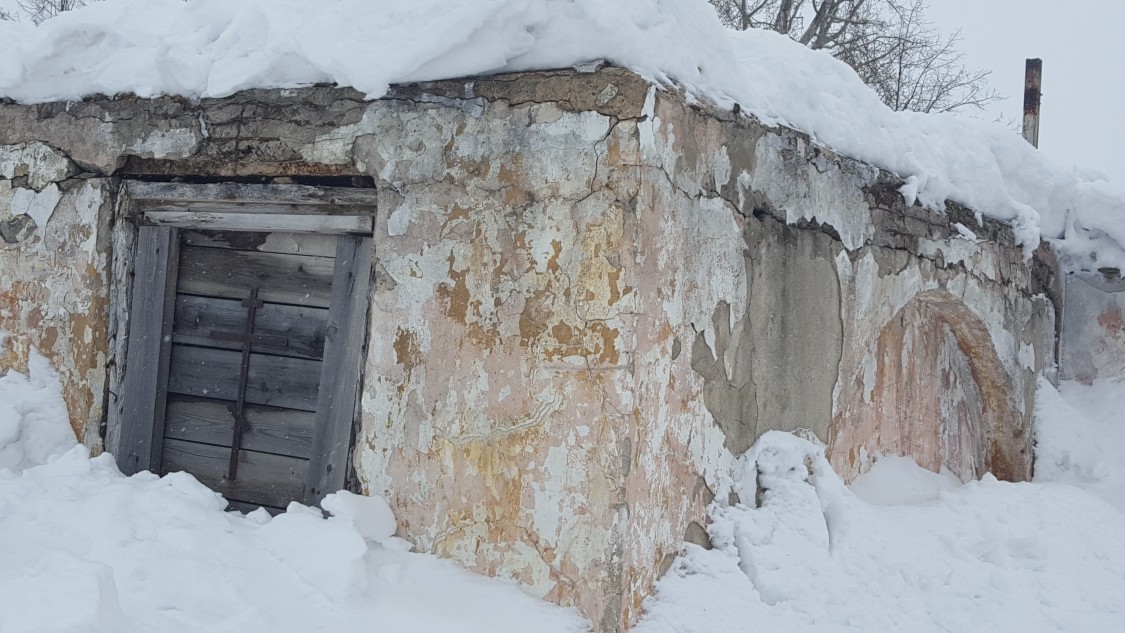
x: 163, y: 209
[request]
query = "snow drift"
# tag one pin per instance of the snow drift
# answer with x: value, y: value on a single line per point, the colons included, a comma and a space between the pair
x: 1079, y: 435
x: 33, y: 419
x: 213, y: 48
x: 932, y: 556
x: 85, y: 549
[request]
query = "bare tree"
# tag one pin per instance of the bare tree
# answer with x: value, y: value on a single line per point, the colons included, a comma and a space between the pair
x: 889, y: 43
x: 40, y: 10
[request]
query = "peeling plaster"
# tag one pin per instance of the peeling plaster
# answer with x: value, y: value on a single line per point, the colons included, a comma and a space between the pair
x: 40, y: 206
x: 506, y: 247
x: 54, y: 296
x: 814, y: 188
x: 784, y: 176
x: 171, y: 143
x: 39, y: 162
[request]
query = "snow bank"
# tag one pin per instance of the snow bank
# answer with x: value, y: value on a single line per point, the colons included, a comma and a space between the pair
x: 1080, y: 437
x: 212, y: 48
x: 898, y: 480
x: 984, y: 557
x: 33, y: 417
x: 85, y: 549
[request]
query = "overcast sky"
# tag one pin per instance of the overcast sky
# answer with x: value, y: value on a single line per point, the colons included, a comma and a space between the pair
x: 1082, y: 44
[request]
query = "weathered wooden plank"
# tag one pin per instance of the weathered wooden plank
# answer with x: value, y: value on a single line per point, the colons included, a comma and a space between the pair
x: 263, y: 220
x: 278, y: 381
x: 278, y: 431
x: 221, y: 207
x: 220, y: 272
x: 263, y: 479
x: 342, y: 367
x: 146, y: 193
x: 137, y: 441
x: 276, y: 242
x: 303, y: 328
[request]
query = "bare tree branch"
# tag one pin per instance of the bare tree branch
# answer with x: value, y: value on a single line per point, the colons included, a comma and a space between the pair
x: 889, y: 43
x: 40, y: 10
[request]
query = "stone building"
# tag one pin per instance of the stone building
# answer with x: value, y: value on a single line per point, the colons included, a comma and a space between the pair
x: 541, y: 313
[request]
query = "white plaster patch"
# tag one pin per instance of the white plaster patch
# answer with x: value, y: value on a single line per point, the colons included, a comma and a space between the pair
x: 399, y: 220
x: 819, y: 192
x: 334, y: 147
x: 547, y: 512
x: 425, y: 435
x: 549, y: 151
x: 744, y: 182
x: 649, y: 125
x: 708, y: 452
x: 174, y: 143
x: 657, y: 139
x: 87, y: 205
x: 713, y: 267
x: 869, y: 377
x: 981, y: 261
x: 39, y: 205
x: 1027, y: 356
x: 39, y: 162
x: 722, y: 168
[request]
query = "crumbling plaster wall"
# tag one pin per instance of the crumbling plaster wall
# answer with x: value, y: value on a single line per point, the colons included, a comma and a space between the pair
x: 501, y: 327
x: 769, y: 272
x: 589, y: 298
x: 53, y: 259
x: 499, y: 365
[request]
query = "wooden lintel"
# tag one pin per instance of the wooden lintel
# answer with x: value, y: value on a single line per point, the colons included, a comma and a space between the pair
x: 263, y: 222
x: 342, y: 197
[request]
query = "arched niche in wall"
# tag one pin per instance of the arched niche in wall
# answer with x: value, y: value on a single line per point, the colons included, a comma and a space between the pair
x: 934, y: 389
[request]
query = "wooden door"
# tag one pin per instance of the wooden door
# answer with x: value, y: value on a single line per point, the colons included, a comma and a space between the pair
x: 282, y: 338
x: 245, y: 345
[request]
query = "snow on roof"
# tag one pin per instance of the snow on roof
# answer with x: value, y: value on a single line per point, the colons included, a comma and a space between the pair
x: 213, y: 48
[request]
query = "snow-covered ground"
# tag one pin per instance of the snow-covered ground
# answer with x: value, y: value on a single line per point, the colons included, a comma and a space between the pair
x: 905, y: 549
x: 212, y: 48
x: 83, y: 548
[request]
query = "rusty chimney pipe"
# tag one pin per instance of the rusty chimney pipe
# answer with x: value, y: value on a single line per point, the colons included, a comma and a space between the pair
x: 1032, y: 90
